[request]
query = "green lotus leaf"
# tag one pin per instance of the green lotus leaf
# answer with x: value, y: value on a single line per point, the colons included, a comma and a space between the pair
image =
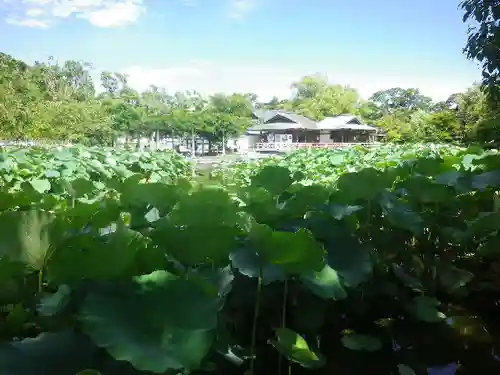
x: 296, y: 349
x: 159, y: 322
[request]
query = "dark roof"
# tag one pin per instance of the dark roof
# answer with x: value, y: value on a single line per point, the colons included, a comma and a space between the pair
x: 274, y: 126
x: 306, y: 122
x: 264, y: 114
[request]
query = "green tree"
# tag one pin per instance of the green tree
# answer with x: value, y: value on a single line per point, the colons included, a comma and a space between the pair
x: 399, y: 99
x: 317, y: 99
x: 483, y: 43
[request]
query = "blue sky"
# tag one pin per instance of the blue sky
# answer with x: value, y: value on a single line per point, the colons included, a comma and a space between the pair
x: 257, y: 46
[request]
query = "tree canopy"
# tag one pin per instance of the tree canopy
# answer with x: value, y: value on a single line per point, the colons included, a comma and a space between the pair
x: 483, y: 43
x: 61, y: 102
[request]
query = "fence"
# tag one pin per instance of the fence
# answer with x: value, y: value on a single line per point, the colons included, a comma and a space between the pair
x: 284, y: 146
x: 34, y: 143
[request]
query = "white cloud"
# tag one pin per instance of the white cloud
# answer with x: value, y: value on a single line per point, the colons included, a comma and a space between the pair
x: 29, y: 22
x: 100, y: 13
x: 238, y: 9
x: 115, y: 15
x: 268, y: 81
x: 35, y: 12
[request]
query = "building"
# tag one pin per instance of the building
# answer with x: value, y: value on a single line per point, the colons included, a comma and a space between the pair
x: 281, y: 131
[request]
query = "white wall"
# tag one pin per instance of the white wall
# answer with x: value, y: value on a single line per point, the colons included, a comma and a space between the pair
x: 246, y: 142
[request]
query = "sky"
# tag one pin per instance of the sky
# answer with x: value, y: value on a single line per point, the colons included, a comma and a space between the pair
x: 259, y: 46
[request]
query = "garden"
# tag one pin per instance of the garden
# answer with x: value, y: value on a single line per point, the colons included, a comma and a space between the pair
x: 353, y: 261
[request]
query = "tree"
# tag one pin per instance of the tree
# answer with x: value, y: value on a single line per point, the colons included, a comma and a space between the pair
x: 228, y: 115
x: 58, y: 102
x: 399, y: 99
x: 483, y: 43
x: 316, y: 98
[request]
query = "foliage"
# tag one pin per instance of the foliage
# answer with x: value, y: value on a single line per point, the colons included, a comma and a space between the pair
x: 54, y: 102
x: 115, y: 261
x: 483, y: 43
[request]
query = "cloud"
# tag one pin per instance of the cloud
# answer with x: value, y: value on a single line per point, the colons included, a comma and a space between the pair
x: 238, y: 9
x: 29, y: 22
x: 267, y: 81
x: 115, y: 15
x: 100, y: 13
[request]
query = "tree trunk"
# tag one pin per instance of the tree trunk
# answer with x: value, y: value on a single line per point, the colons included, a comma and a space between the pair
x: 223, y: 143
x: 193, y: 143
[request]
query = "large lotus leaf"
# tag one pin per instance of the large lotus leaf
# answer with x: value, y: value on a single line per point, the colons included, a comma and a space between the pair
x: 339, y: 212
x: 220, y: 280
x: 251, y: 264
x: 147, y: 260
x: 98, y: 214
x: 325, y: 283
x: 399, y: 213
x: 457, y: 179
x: 357, y: 341
x: 484, y: 224
x: 490, y: 248
x: 453, y: 278
x: 52, y: 304
x: 304, y: 198
x: 471, y: 158
x: 7, y: 200
x: 489, y: 160
x: 12, y: 279
x: 295, y: 348
x: 273, y: 178
x: 80, y: 187
x: 365, y: 184
x: 94, y: 257
x: 41, y: 185
x: 405, y: 370
x: 407, y: 279
x: 428, y: 166
x: 157, y: 323
x: 26, y: 236
x: 211, y: 241
x: 159, y: 195
x: 348, y: 258
x: 59, y: 353
x: 296, y: 252
x: 260, y: 204
x: 424, y: 190
x: 207, y: 204
x: 486, y: 180
x: 426, y: 309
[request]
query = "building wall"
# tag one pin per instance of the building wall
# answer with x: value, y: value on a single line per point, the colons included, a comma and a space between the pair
x: 246, y: 142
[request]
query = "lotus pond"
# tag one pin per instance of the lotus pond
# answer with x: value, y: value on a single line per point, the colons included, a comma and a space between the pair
x: 382, y: 261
